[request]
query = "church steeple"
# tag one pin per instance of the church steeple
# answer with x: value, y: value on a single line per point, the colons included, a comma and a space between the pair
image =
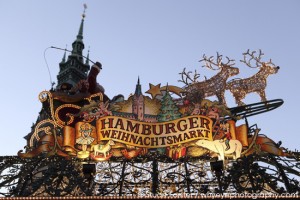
x: 78, y: 45
x: 74, y: 69
x: 138, y: 88
x: 138, y: 104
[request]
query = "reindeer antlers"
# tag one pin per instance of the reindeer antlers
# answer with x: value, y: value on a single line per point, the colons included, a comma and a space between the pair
x: 210, y: 61
x: 186, y: 76
x: 257, y: 59
x: 252, y: 57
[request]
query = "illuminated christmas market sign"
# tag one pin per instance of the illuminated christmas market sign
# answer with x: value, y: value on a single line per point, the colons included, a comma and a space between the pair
x: 79, y: 120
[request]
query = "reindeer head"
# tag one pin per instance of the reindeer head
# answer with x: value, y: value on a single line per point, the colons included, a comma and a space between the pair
x: 232, y: 71
x: 267, y: 69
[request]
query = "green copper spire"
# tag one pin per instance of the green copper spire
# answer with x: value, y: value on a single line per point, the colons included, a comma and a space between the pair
x: 78, y: 45
x: 74, y: 69
x: 80, y: 32
x: 87, y: 57
x: 64, y: 57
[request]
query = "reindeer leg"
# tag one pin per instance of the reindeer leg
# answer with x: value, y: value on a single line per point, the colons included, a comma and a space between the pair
x: 262, y: 95
x: 220, y: 99
x: 238, y: 101
x: 239, y: 97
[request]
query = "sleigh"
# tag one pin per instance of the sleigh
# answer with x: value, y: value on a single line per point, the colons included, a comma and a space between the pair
x: 255, y: 142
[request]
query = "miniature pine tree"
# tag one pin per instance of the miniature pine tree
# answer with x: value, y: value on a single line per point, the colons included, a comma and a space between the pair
x: 169, y: 110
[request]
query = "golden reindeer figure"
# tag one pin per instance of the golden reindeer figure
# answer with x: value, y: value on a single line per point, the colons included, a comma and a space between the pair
x: 256, y: 83
x: 216, y: 85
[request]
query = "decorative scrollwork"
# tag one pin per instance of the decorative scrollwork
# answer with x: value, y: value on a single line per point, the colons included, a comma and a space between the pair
x: 100, y: 95
x: 43, y: 127
x: 60, y: 122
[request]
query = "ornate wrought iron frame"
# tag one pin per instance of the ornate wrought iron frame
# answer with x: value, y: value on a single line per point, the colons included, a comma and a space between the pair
x: 154, y: 175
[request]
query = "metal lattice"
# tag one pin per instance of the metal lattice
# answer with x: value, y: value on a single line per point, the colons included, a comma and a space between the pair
x: 155, y: 175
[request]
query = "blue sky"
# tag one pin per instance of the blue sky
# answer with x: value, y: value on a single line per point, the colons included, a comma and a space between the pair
x: 153, y: 40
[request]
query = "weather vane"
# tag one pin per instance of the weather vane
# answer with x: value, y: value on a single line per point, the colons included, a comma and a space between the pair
x: 85, y: 7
